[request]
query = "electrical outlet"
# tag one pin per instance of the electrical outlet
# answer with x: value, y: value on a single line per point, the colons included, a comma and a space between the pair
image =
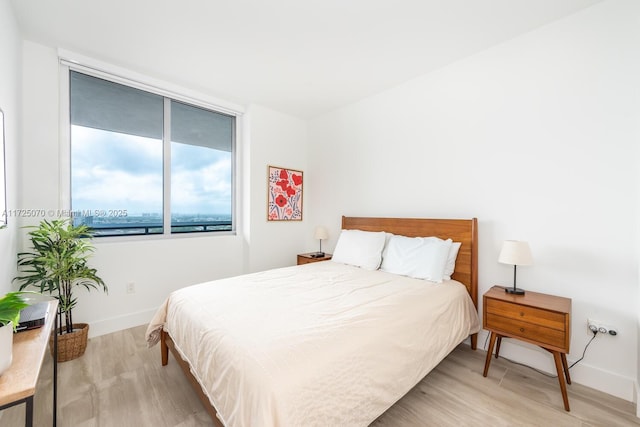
x: 601, y: 328
x: 131, y: 288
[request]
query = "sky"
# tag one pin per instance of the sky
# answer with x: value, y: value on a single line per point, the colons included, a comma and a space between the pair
x: 114, y: 171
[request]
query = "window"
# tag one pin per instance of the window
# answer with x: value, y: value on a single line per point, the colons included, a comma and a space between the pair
x: 142, y: 163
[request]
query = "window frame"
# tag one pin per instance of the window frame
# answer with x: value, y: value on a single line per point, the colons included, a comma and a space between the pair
x: 170, y: 93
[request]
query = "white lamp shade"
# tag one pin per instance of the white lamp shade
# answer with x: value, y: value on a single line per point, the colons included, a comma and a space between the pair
x: 321, y: 233
x: 515, y: 252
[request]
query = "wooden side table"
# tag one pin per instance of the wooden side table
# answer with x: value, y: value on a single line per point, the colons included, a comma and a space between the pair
x: 540, y: 319
x: 307, y: 258
x: 18, y: 383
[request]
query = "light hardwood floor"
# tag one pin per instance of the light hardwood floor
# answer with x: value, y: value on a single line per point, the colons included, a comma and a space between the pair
x: 120, y: 383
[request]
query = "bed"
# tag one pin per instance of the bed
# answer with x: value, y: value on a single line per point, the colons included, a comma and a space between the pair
x: 324, y: 343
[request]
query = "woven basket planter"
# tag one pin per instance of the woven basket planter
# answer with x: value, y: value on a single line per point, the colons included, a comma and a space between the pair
x: 71, y: 346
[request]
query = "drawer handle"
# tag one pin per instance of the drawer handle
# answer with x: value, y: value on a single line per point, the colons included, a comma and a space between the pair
x: 521, y: 314
x: 522, y: 330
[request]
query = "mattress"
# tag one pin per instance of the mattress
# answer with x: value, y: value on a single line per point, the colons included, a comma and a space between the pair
x: 317, y: 344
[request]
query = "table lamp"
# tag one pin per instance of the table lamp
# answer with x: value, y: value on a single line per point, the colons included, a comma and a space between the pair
x: 320, y: 234
x: 516, y: 253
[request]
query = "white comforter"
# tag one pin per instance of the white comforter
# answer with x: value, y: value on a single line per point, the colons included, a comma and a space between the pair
x: 317, y: 344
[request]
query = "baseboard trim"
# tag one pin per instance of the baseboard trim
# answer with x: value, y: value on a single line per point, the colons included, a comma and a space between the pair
x: 583, y: 373
x: 119, y: 323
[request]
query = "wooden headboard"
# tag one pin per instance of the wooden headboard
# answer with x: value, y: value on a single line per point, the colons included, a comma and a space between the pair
x: 464, y: 231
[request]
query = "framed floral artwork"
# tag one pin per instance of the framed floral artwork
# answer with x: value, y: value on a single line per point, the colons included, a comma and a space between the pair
x: 285, y: 194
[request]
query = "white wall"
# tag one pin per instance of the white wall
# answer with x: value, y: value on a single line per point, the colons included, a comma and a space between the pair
x: 10, y: 67
x: 537, y: 137
x: 637, y: 394
x: 275, y: 139
x: 160, y: 266
x: 637, y: 388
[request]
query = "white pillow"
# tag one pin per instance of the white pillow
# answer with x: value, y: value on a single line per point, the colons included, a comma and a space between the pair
x: 387, y: 237
x: 450, y: 267
x: 360, y: 248
x: 418, y: 257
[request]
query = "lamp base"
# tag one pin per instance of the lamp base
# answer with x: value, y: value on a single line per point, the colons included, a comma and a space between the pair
x: 317, y: 255
x: 514, y: 291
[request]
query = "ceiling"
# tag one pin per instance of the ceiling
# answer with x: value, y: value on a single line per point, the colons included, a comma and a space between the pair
x: 301, y: 57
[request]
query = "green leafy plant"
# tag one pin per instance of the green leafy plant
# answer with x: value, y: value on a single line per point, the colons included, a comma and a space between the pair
x: 10, y: 306
x: 58, y: 262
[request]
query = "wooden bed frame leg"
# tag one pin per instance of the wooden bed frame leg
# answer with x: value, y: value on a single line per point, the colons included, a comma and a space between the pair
x: 164, y: 349
x: 474, y: 341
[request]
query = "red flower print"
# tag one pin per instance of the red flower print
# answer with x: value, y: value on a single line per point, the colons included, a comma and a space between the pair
x: 283, y: 174
x: 290, y: 191
x: 281, y: 200
x: 297, y: 179
x: 283, y: 184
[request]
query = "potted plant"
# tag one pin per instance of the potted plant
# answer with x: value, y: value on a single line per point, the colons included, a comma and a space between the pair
x: 57, y: 263
x: 10, y: 306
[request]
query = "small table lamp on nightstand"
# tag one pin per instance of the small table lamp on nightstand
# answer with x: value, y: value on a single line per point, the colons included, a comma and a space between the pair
x: 515, y: 253
x: 320, y: 234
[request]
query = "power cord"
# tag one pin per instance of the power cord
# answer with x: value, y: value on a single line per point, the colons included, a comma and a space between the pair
x: 542, y: 372
x: 585, y: 349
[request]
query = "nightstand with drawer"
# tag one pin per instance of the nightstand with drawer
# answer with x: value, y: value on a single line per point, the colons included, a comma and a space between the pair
x: 540, y: 319
x: 307, y: 258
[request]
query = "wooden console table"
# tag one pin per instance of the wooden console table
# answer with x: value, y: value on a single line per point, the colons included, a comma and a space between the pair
x: 18, y: 383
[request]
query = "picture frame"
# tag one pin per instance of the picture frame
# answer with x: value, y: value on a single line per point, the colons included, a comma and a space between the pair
x: 284, y: 194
